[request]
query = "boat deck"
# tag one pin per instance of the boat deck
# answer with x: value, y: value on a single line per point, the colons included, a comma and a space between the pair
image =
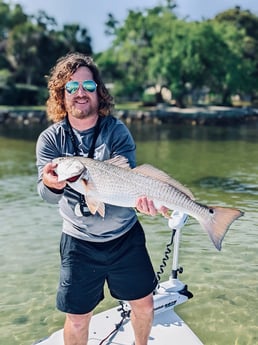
x: 168, y: 328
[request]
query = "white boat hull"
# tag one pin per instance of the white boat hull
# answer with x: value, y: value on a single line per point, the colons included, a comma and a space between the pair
x: 168, y: 328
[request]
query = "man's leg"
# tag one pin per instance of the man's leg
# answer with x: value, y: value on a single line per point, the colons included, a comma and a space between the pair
x: 141, y: 318
x: 76, y: 329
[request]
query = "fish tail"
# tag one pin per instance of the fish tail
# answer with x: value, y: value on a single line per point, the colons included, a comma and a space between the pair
x: 218, y: 224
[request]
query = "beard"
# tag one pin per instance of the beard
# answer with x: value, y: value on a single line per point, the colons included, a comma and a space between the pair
x: 82, y: 111
x: 80, y: 114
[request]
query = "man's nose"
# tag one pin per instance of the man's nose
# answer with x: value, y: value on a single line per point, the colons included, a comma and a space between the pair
x: 81, y: 90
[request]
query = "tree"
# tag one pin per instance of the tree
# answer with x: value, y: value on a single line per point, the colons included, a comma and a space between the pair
x: 30, y: 46
x: 34, y: 46
x: 151, y: 48
x: 9, y: 17
x: 75, y: 38
x: 131, y: 50
x: 22, y: 51
x: 154, y: 47
x: 244, y: 44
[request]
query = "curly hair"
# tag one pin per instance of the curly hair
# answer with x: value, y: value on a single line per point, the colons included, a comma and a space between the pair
x: 61, y: 73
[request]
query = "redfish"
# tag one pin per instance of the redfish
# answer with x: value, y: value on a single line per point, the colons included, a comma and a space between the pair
x: 114, y: 182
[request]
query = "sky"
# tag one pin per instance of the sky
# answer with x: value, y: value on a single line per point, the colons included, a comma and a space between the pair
x: 93, y: 14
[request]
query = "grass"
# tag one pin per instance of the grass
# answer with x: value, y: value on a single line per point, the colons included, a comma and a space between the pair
x: 24, y: 107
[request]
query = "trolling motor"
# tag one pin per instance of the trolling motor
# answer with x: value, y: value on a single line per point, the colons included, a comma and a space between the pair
x: 172, y: 292
x: 176, y: 222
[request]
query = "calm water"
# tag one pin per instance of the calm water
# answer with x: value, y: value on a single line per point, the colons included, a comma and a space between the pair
x: 220, y: 166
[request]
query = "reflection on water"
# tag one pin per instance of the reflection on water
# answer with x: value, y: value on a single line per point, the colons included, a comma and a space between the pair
x: 147, y: 131
x: 219, y: 164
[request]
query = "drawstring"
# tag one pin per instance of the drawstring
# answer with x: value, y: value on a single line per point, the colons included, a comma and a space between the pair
x: 83, y: 205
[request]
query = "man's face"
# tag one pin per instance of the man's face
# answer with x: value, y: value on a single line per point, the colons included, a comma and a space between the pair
x: 81, y: 104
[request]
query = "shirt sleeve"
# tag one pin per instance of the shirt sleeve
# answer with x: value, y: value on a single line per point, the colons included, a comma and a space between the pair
x: 46, y: 151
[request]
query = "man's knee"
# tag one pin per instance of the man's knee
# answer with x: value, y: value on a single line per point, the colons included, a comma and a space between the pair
x: 142, y: 305
x: 78, y: 321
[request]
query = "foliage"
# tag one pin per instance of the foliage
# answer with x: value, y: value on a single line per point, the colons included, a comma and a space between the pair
x: 243, y: 41
x: 155, y: 47
x: 30, y: 46
x: 151, y: 48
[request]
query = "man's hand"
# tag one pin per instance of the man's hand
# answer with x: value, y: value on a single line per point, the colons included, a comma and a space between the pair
x: 50, y: 178
x: 146, y: 206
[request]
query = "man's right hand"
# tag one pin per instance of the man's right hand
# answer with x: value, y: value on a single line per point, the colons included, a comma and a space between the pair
x: 50, y: 178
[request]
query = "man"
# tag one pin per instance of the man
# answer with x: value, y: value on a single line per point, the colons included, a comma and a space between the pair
x: 93, y: 250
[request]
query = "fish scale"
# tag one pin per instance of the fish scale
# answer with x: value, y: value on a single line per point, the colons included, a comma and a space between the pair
x: 139, y: 186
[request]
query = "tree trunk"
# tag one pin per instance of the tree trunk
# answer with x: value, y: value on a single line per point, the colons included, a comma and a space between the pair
x: 226, y: 99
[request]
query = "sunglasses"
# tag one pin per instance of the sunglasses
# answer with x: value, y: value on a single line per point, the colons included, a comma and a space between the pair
x: 72, y: 86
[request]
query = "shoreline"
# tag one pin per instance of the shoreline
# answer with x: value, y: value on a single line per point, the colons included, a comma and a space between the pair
x: 205, y: 115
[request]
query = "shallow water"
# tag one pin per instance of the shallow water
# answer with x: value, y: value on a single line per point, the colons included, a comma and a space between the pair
x: 220, y: 166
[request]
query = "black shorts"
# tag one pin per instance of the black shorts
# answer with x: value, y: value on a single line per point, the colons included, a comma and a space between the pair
x: 85, y: 266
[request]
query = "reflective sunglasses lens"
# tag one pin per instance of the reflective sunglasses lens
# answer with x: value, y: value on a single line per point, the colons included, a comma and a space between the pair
x: 89, y: 85
x: 72, y: 86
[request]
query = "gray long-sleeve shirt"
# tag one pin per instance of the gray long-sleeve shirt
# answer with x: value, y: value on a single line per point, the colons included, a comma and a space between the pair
x: 114, y: 139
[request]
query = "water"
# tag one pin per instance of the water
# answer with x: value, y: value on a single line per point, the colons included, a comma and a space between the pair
x: 218, y: 164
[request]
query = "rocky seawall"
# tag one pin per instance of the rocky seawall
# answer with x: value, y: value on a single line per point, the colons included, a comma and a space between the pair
x: 212, y: 115
x: 23, y: 117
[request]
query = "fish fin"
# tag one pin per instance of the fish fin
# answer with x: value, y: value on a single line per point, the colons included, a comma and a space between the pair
x: 93, y: 203
x: 218, y: 224
x: 151, y: 171
x: 119, y: 161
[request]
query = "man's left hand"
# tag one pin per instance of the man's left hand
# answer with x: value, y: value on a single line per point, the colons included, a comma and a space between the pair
x: 146, y: 206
